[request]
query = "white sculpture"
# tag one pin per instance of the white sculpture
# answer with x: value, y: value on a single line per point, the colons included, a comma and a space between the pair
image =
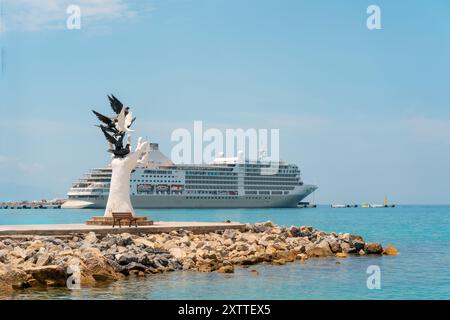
x: 119, y: 191
x: 123, y: 162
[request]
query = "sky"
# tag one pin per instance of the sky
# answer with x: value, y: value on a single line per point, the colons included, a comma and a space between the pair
x: 364, y: 113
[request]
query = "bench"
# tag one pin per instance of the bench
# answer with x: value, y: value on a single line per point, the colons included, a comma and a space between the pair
x: 119, y: 216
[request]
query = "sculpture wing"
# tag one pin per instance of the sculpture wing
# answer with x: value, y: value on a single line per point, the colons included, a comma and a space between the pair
x: 116, y: 105
x: 102, y: 118
x: 108, y: 136
x: 108, y: 129
x: 120, y: 124
x: 129, y: 120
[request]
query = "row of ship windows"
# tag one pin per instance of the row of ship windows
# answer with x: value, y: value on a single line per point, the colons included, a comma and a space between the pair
x: 280, y: 165
x: 268, y: 164
x: 164, y: 172
x: 267, y: 192
x: 212, y: 197
x: 209, y: 182
x: 157, y: 176
x: 278, y: 188
x: 270, y: 176
x: 83, y: 197
x: 270, y: 180
x: 279, y: 171
x: 211, y: 187
x: 214, y: 173
x: 205, y: 170
x: 271, y: 184
x: 96, y: 190
x: 210, y: 178
x: 179, y: 181
x: 228, y: 198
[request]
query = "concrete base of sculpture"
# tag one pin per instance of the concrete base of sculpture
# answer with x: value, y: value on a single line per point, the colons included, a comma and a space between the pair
x: 108, y: 221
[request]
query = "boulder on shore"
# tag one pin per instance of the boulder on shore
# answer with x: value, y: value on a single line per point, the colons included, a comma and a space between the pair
x: 226, y: 269
x: 48, y: 276
x: 322, y: 249
x: 389, y: 250
x: 373, y: 248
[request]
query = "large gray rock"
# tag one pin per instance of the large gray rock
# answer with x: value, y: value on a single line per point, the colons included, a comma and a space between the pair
x: 135, y: 266
x: 321, y: 249
x: 373, y: 248
x: 117, y: 267
x: 3, y: 256
x: 12, y: 278
x: 306, y: 231
x: 334, y: 244
x: 97, y: 265
x: 143, y: 242
x: 347, y: 247
x: 125, y: 240
x: 295, y: 231
x: 127, y: 259
x: 49, y: 275
x: 19, y: 252
x: 241, y: 246
x: 91, y: 238
x: 357, y: 243
x: 43, y: 259
x: 230, y: 234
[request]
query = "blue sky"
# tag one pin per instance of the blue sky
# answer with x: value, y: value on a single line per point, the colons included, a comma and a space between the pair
x: 363, y: 113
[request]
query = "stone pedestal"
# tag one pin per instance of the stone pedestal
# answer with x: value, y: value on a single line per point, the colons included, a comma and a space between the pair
x: 108, y: 221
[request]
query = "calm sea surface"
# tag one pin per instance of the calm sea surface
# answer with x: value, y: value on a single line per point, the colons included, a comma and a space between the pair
x: 420, y: 271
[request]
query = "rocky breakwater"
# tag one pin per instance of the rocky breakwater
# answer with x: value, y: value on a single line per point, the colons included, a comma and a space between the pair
x: 49, y: 261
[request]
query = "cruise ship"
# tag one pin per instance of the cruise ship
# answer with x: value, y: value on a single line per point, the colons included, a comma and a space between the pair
x: 228, y: 182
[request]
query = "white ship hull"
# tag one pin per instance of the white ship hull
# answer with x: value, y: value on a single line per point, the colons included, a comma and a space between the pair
x: 180, y: 201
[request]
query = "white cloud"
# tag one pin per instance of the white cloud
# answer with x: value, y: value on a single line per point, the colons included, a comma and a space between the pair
x: 35, y: 15
x: 430, y: 130
x: 11, y: 164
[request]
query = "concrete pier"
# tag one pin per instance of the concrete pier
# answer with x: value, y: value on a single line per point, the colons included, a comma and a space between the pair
x: 157, y: 227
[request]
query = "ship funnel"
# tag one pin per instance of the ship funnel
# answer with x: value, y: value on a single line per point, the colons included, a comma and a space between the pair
x: 156, y: 157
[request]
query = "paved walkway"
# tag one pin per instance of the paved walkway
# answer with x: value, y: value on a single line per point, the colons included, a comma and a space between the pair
x: 157, y: 227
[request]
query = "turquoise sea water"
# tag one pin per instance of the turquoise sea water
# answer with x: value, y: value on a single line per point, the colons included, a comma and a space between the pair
x: 420, y: 271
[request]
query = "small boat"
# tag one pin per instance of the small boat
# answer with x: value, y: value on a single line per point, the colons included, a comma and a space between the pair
x: 365, y: 205
x: 339, y: 206
x: 384, y: 205
x: 306, y: 205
